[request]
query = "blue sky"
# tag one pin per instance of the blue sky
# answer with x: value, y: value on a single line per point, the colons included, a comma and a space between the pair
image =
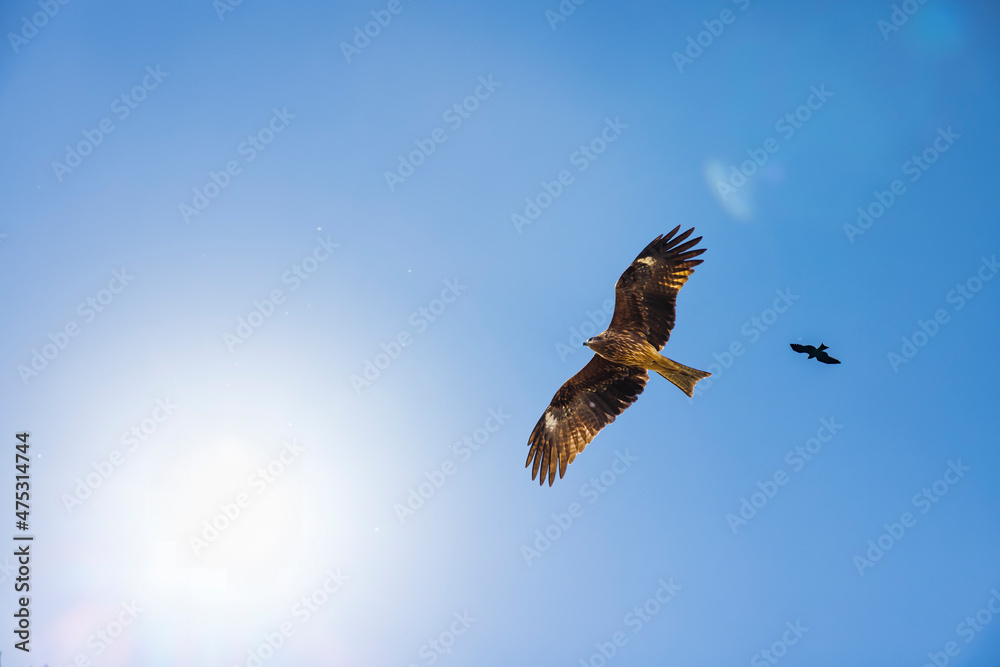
x: 283, y: 302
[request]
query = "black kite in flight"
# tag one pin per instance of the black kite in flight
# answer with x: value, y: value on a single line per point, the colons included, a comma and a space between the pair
x: 645, y: 297
x: 816, y: 352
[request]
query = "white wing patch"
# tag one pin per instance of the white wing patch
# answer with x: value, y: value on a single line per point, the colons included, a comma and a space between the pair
x: 648, y: 261
x: 550, y: 421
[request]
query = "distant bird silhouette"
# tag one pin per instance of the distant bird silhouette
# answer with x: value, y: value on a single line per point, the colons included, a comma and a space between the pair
x: 816, y: 352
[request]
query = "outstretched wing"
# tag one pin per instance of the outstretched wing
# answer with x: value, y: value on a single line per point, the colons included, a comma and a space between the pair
x: 802, y: 348
x: 586, y: 403
x: 646, y: 293
x: 826, y: 358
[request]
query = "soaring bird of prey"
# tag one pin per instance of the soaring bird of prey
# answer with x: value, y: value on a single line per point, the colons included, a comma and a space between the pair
x: 645, y: 297
x: 816, y: 352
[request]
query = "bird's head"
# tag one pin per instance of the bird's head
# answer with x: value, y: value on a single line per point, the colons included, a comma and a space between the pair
x: 595, y: 340
x: 822, y: 347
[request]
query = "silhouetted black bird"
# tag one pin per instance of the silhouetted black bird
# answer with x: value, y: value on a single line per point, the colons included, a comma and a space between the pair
x: 816, y: 352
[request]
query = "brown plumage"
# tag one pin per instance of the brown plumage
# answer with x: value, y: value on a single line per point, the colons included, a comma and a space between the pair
x: 645, y: 298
